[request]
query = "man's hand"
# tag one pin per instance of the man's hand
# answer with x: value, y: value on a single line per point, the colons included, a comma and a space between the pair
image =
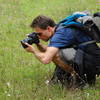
x: 30, y: 48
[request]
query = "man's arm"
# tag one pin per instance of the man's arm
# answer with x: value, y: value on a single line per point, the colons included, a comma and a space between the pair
x: 51, y: 54
x: 41, y: 47
x: 45, y: 57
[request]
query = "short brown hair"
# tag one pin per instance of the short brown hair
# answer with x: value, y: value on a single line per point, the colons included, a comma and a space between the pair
x: 43, y: 22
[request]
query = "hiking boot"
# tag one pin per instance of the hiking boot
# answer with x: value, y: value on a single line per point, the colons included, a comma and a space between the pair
x: 76, y: 82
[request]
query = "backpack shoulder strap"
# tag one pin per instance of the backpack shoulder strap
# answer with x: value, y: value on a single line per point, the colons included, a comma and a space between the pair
x: 96, y: 20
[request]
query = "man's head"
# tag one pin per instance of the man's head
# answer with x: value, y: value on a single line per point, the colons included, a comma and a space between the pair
x: 44, y: 26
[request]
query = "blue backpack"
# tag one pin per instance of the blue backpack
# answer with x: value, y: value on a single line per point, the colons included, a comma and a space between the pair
x: 88, y: 23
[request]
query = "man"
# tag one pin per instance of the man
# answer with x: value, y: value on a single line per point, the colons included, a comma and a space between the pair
x: 60, y: 39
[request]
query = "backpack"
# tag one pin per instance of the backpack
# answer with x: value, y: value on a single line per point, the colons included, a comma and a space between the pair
x: 91, y: 25
x: 84, y: 21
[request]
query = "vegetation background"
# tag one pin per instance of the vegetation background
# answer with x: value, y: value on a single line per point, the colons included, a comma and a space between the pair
x: 22, y: 77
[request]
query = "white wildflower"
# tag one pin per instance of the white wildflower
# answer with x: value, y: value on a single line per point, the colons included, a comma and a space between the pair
x: 47, y: 82
x: 8, y: 95
x: 5, y: 91
x: 88, y: 94
x: 50, y: 99
x: 8, y: 84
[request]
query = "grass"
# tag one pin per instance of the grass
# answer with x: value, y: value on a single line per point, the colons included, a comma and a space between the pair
x: 22, y: 77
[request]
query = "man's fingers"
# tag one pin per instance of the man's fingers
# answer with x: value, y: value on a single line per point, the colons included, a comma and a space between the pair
x: 27, y: 34
x: 26, y: 44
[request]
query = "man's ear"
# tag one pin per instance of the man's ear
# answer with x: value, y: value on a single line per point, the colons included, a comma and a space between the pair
x: 49, y: 28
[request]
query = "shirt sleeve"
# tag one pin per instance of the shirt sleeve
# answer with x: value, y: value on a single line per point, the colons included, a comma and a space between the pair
x: 62, y: 38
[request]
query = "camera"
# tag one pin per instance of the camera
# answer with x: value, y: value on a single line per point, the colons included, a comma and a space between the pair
x: 32, y: 38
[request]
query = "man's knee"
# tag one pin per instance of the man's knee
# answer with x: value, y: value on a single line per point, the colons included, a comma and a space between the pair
x: 67, y: 54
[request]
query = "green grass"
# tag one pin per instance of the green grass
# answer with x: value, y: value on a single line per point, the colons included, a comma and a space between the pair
x: 22, y: 77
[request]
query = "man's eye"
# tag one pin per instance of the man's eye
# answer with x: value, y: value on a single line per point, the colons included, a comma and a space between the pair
x: 39, y: 34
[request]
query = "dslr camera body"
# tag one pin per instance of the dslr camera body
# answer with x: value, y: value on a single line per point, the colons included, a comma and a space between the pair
x: 32, y: 38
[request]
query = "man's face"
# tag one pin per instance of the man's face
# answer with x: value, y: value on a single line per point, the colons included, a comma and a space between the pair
x: 44, y: 34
